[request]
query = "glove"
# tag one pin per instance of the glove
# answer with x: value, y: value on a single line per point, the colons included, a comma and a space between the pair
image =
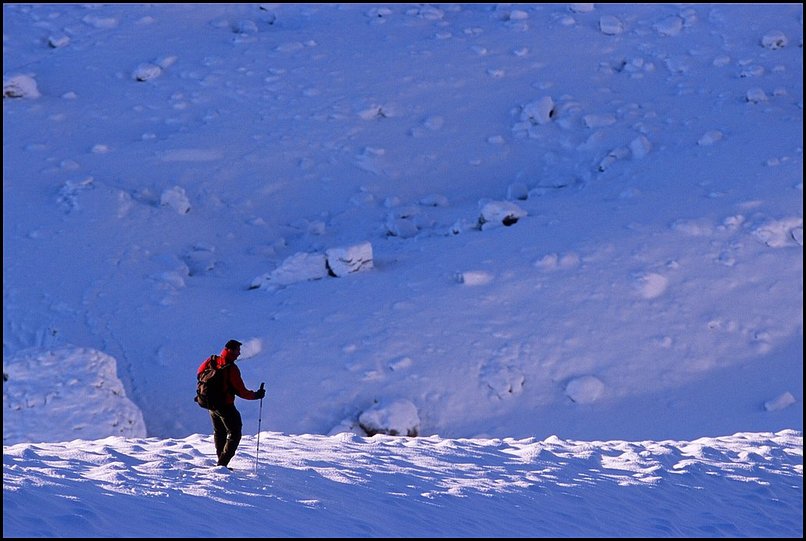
x: 260, y: 393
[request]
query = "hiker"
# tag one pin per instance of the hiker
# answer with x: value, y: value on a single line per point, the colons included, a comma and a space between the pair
x: 226, y: 418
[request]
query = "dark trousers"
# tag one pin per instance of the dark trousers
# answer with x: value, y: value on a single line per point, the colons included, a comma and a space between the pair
x: 227, y: 427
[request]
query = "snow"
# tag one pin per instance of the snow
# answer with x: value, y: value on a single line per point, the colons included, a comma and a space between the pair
x: 579, y: 231
x: 349, y: 486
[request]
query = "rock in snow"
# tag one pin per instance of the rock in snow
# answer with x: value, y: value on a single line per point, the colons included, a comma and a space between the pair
x: 304, y: 266
x: 585, y: 389
x: 394, y: 418
x: 500, y: 213
x: 356, y: 258
x: 783, y: 401
x: 540, y: 111
x: 20, y: 86
x: 299, y: 267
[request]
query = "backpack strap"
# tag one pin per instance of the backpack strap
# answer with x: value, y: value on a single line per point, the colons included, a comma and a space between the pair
x: 210, y: 364
x: 213, y: 360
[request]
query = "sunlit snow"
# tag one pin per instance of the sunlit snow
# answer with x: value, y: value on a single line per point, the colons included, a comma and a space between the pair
x: 560, y: 243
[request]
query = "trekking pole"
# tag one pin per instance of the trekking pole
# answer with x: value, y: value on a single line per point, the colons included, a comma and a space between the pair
x: 259, y: 418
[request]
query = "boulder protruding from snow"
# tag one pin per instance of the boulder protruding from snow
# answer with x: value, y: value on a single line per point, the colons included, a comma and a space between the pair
x: 395, y: 418
x: 585, y: 389
x: 146, y: 71
x: 299, y: 267
x: 151, y: 70
x: 756, y: 95
x: 20, y: 86
x: 304, y: 266
x: 474, y: 277
x: 355, y: 258
x: 783, y: 401
x: 176, y: 198
x: 774, y: 40
x: 496, y: 213
x: 610, y: 25
x: 540, y: 111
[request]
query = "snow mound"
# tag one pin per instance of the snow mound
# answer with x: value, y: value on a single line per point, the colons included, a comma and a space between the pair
x: 299, y: 267
x: 496, y: 213
x: 355, y: 258
x: 34, y: 395
x: 783, y: 401
x: 20, y: 86
x: 305, y: 266
x: 395, y: 418
x: 585, y: 389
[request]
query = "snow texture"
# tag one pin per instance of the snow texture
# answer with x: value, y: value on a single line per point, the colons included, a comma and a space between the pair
x: 579, y: 231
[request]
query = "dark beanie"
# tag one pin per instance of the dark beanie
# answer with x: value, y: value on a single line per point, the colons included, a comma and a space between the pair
x: 232, y: 344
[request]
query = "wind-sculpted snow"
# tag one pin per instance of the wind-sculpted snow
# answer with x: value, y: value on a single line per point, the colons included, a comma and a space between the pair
x: 575, y: 219
x: 748, y: 484
x: 562, y: 211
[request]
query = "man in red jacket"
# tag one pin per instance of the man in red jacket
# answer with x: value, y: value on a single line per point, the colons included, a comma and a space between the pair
x: 226, y: 418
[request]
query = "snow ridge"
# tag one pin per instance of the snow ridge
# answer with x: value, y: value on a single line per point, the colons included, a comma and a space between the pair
x: 310, y: 485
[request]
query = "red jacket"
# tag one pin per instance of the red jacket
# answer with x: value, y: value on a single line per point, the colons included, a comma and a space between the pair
x: 235, y: 384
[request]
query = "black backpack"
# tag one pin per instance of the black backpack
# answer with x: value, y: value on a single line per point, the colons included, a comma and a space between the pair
x: 211, y: 388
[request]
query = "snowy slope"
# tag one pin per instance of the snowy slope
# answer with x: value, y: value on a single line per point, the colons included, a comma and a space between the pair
x: 660, y: 247
x: 570, y: 220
